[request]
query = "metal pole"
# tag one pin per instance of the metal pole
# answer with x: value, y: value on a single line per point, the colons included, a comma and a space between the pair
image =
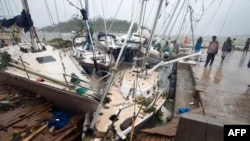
x: 32, y: 30
x: 114, y: 69
x: 191, y: 20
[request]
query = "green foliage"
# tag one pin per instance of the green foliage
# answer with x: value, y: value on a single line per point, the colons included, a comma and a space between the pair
x: 165, y: 94
x: 4, y: 60
x: 60, y: 43
x: 146, y: 102
x: 97, y: 25
x: 55, y: 40
x: 158, y: 116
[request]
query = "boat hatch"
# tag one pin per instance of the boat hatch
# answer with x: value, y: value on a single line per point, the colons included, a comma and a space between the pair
x: 45, y: 59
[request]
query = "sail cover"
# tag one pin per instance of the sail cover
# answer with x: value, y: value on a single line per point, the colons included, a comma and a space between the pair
x: 24, y: 21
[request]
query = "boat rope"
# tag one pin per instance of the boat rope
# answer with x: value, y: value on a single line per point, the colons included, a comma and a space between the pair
x: 58, y: 21
x: 111, y: 78
x: 142, y: 19
x: 16, y: 6
x: 7, y: 8
x: 64, y: 10
x: 11, y: 10
x: 167, y: 27
x: 185, y: 12
x: 49, y: 12
x: 133, y: 123
x: 151, y: 36
x: 192, y: 30
x: 60, y: 54
x: 2, y: 10
x: 24, y: 67
x: 223, y: 25
x: 182, y: 23
x: 117, y: 11
x: 104, y: 21
x: 210, y: 16
x: 150, y: 12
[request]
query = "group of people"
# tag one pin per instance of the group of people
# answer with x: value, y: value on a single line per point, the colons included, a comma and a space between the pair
x: 227, y: 47
x: 213, y: 47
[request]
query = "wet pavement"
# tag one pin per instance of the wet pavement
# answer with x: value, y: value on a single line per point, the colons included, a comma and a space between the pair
x: 224, y: 90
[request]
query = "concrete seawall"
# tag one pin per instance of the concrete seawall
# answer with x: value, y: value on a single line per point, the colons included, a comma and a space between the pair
x: 216, y: 99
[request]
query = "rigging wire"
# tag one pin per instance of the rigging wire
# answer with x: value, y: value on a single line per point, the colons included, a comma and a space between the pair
x: 65, y: 16
x: 117, y: 11
x: 182, y: 23
x: 176, y: 17
x: 49, y: 13
x: 96, y: 9
x: 223, y: 25
x: 164, y: 32
x: 11, y: 11
x: 58, y: 18
x: 16, y: 6
x: 212, y: 14
x: 2, y: 10
x: 104, y: 19
x: 7, y: 8
x: 150, y: 12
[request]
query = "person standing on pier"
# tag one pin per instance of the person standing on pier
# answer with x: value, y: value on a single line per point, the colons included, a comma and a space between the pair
x: 233, y: 43
x: 212, y: 51
x: 226, y: 48
x: 248, y: 65
x: 185, y: 41
x: 198, y: 44
x: 246, y: 48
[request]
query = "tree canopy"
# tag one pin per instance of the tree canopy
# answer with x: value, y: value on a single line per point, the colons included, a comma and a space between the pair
x: 97, y: 25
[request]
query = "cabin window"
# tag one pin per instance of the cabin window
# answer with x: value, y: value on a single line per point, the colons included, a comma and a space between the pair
x: 148, y: 92
x: 45, y: 59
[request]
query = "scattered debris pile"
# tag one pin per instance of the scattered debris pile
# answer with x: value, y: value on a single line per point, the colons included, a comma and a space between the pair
x: 27, y: 116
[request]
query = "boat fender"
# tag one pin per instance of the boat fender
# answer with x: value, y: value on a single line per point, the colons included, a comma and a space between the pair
x: 81, y: 91
x: 125, y: 124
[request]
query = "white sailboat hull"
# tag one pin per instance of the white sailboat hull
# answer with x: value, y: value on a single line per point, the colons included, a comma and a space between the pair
x: 49, y: 74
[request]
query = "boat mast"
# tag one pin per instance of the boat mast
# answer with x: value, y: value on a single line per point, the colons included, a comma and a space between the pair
x: 87, y: 24
x: 152, y: 34
x: 110, y: 81
x: 32, y: 29
x: 140, y: 19
x: 170, y: 21
x: 191, y: 20
x: 87, y: 7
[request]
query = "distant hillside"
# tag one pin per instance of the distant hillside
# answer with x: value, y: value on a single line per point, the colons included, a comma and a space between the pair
x: 118, y: 26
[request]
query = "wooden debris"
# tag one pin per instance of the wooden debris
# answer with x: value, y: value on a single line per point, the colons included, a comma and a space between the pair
x: 35, y: 133
x: 28, y: 116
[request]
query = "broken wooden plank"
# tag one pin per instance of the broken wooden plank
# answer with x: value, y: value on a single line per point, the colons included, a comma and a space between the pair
x: 35, y: 133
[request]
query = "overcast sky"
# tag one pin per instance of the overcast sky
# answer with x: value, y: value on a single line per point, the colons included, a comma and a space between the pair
x: 210, y: 17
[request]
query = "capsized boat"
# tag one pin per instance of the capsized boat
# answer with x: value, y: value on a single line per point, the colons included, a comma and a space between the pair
x: 135, y: 95
x: 91, y: 56
x: 47, y: 71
